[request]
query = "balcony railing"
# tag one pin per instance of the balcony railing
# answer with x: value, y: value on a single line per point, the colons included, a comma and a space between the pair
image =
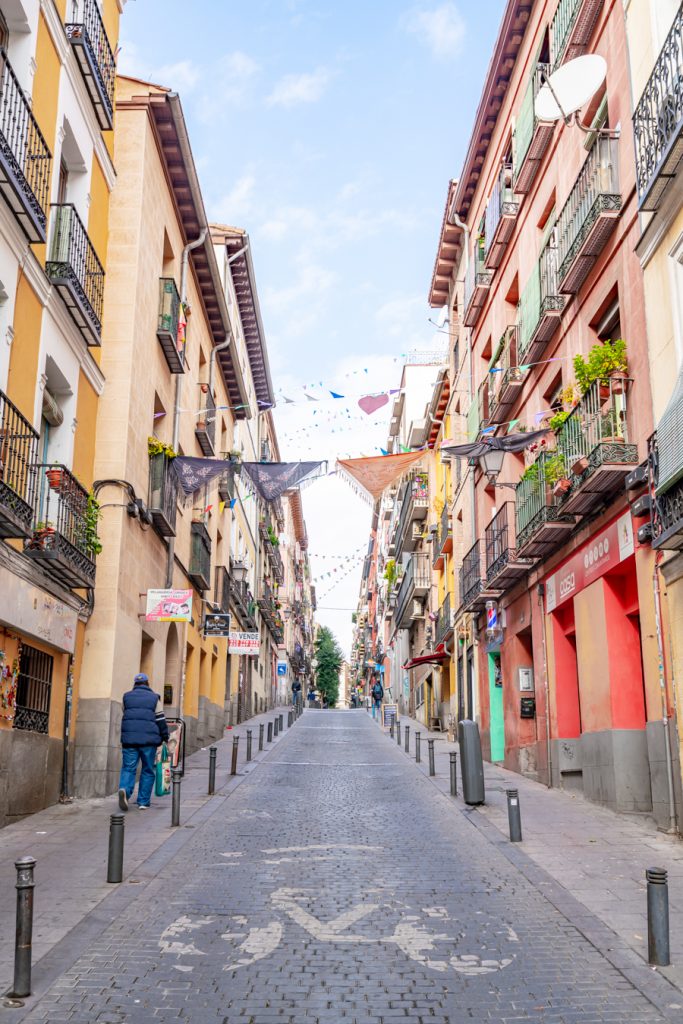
x: 504, y: 565
x: 243, y: 602
x: 505, y: 378
x: 443, y: 541
x: 64, y: 538
x: 88, y: 37
x: 25, y: 159
x: 540, y: 523
x: 199, y: 569
x: 444, y: 623
x: 205, y: 428
x: 571, y: 28
x: 18, y: 457
x: 531, y: 137
x: 658, y: 122
x: 163, y: 494
x: 477, y: 284
x: 416, y: 582
x: 171, y: 339
x: 590, y: 214
x: 472, y: 575
x: 501, y: 214
x: 540, y: 307
x: 414, y: 507
x: 222, y: 589
x: 594, y: 444
x: 667, y: 480
x: 76, y: 272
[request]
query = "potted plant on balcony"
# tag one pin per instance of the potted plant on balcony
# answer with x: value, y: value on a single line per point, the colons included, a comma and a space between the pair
x: 556, y: 474
x: 55, y: 476
x: 41, y: 535
x: 157, y: 447
x: 93, y: 514
x: 605, y: 361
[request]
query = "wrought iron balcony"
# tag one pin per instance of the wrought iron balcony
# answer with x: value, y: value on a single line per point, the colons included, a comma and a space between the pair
x: 531, y: 136
x: 443, y: 540
x: 594, y: 443
x: 658, y: 122
x: 572, y: 28
x: 18, y: 457
x: 243, y: 602
x: 444, y: 623
x: 540, y: 308
x: 205, y: 427
x: 501, y: 215
x: 540, y: 522
x: 64, y: 538
x: 416, y: 582
x: 504, y: 564
x: 162, y: 503
x: 199, y: 569
x: 76, y: 272
x: 88, y: 37
x: 477, y: 284
x: 25, y: 159
x: 171, y: 338
x: 226, y: 481
x: 666, y: 474
x: 589, y: 216
x: 414, y: 508
x: 222, y: 589
x: 474, y: 592
x: 505, y: 378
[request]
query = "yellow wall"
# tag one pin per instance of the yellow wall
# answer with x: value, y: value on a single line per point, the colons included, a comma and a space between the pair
x: 23, y: 365
x: 98, y: 217
x: 593, y: 658
x: 84, y: 442
x: 46, y: 97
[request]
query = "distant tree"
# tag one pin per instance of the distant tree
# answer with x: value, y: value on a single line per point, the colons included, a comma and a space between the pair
x: 329, y: 658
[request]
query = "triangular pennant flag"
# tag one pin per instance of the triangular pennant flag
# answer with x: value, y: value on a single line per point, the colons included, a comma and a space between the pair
x: 335, y: 395
x: 311, y: 398
x: 288, y: 401
x: 221, y: 507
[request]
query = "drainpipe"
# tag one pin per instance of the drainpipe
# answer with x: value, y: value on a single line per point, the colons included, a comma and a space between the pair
x: 546, y: 688
x: 672, y: 829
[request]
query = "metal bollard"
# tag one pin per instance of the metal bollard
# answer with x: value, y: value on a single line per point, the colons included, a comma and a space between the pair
x: 115, y: 858
x: 657, y: 917
x: 260, y: 736
x: 282, y: 723
x: 235, y: 745
x: 213, y: 751
x: 176, y: 779
x: 514, y: 817
x: 270, y: 732
x: 417, y: 748
x: 276, y: 726
x: 398, y: 734
x: 391, y: 728
x: 248, y: 744
x: 289, y: 719
x: 22, y: 947
x: 407, y: 748
x: 430, y: 745
x: 454, y: 772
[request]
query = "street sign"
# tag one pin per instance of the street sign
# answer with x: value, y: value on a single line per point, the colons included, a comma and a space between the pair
x: 282, y: 668
x: 244, y: 643
x: 169, y: 606
x: 217, y: 624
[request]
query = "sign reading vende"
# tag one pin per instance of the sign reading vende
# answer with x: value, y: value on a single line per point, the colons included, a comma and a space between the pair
x: 244, y: 643
x: 602, y: 553
x: 169, y: 606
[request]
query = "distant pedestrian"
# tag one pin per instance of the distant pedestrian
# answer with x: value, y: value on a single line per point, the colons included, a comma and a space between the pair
x: 311, y: 697
x: 377, y: 695
x: 296, y: 692
x: 143, y: 729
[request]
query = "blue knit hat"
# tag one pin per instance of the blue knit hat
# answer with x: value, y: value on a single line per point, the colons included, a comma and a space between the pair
x: 141, y: 678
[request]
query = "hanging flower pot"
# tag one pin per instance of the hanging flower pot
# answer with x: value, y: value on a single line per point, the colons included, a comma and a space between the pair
x: 54, y: 478
x: 205, y: 388
x: 562, y: 487
x: 618, y: 379
x: 580, y: 466
x: 605, y: 391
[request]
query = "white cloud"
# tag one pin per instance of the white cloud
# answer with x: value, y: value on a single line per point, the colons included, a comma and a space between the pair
x: 180, y: 77
x: 398, y: 316
x: 441, y: 28
x: 304, y: 88
x: 238, y: 204
x: 310, y: 284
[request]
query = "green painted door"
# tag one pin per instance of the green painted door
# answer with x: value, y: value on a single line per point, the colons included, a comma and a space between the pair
x: 496, y: 708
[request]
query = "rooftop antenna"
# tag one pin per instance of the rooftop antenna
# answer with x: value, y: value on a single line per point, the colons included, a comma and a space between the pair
x: 566, y: 90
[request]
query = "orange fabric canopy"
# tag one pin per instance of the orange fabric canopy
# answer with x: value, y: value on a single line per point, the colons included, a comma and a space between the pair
x: 377, y: 472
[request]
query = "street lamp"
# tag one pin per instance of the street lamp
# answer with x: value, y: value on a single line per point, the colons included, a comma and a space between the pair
x: 239, y: 572
x: 492, y: 461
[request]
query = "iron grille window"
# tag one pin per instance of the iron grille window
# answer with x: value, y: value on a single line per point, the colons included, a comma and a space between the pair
x: 33, y: 690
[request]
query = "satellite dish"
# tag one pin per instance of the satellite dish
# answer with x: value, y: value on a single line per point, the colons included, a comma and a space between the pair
x: 442, y: 317
x: 570, y: 87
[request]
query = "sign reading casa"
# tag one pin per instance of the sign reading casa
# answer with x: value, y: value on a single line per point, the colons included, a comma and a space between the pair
x: 602, y: 553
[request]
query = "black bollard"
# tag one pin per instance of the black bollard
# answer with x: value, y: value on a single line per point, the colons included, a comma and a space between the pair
x: 260, y: 736
x: 22, y: 947
x: 276, y: 726
x: 248, y: 744
x: 454, y: 772
x: 289, y: 719
x: 115, y: 859
x: 270, y: 732
x: 514, y: 817
x: 235, y: 745
x: 430, y: 746
x: 407, y: 739
x: 398, y: 733
x: 212, y: 769
x: 417, y: 748
x: 282, y: 723
x: 176, y: 779
x: 657, y: 917
x: 391, y: 728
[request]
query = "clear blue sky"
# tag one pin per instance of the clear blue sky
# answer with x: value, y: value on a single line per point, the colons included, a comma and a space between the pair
x: 329, y: 131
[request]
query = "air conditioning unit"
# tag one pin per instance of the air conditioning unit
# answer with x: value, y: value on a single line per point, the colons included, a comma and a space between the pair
x: 416, y: 611
x: 444, y: 458
x: 638, y: 477
x: 417, y: 531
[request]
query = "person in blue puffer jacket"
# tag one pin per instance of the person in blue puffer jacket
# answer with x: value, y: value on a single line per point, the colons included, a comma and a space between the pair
x: 143, y: 729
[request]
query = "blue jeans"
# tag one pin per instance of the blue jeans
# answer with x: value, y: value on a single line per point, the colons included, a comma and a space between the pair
x: 129, y: 767
x: 376, y: 706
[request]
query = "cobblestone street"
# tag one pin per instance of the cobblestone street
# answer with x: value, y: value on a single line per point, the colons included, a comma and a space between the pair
x: 337, y: 883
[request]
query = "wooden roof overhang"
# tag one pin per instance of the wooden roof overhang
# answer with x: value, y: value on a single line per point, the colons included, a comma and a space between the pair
x: 447, y: 255
x: 438, y: 408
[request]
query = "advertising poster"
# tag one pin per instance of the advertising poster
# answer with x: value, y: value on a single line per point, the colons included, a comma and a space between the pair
x: 176, y: 743
x: 244, y: 643
x: 169, y: 606
x: 217, y: 624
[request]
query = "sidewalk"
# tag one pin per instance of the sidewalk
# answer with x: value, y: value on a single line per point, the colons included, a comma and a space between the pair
x: 70, y: 844
x: 595, y: 855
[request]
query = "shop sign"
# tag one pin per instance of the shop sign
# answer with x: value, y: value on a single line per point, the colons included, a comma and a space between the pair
x: 217, y: 624
x: 169, y: 606
x: 602, y: 553
x: 244, y: 643
x: 31, y: 610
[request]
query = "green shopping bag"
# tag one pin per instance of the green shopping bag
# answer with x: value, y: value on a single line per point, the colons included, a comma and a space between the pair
x: 162, y: 784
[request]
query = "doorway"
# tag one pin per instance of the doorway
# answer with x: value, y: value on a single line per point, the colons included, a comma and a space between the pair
x: 497, y: 721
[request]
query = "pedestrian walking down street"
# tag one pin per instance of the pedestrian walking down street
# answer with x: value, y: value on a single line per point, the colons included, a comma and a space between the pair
x: 296, y: 692
x: 377, y: 695
x: 311, y: 696
x: 143, y: 729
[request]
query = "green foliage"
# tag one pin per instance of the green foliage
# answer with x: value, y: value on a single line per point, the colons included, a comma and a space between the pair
x: 157, y: 447
x: 329, y: 660
x: 91, y: 542
x: 603, y: 359
x: 555, y: 468
x: 531, y: 472
x: 390, y: 571
x: 558, y: 419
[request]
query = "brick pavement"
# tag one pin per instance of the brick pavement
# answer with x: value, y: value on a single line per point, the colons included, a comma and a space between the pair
x: 337, y: 883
